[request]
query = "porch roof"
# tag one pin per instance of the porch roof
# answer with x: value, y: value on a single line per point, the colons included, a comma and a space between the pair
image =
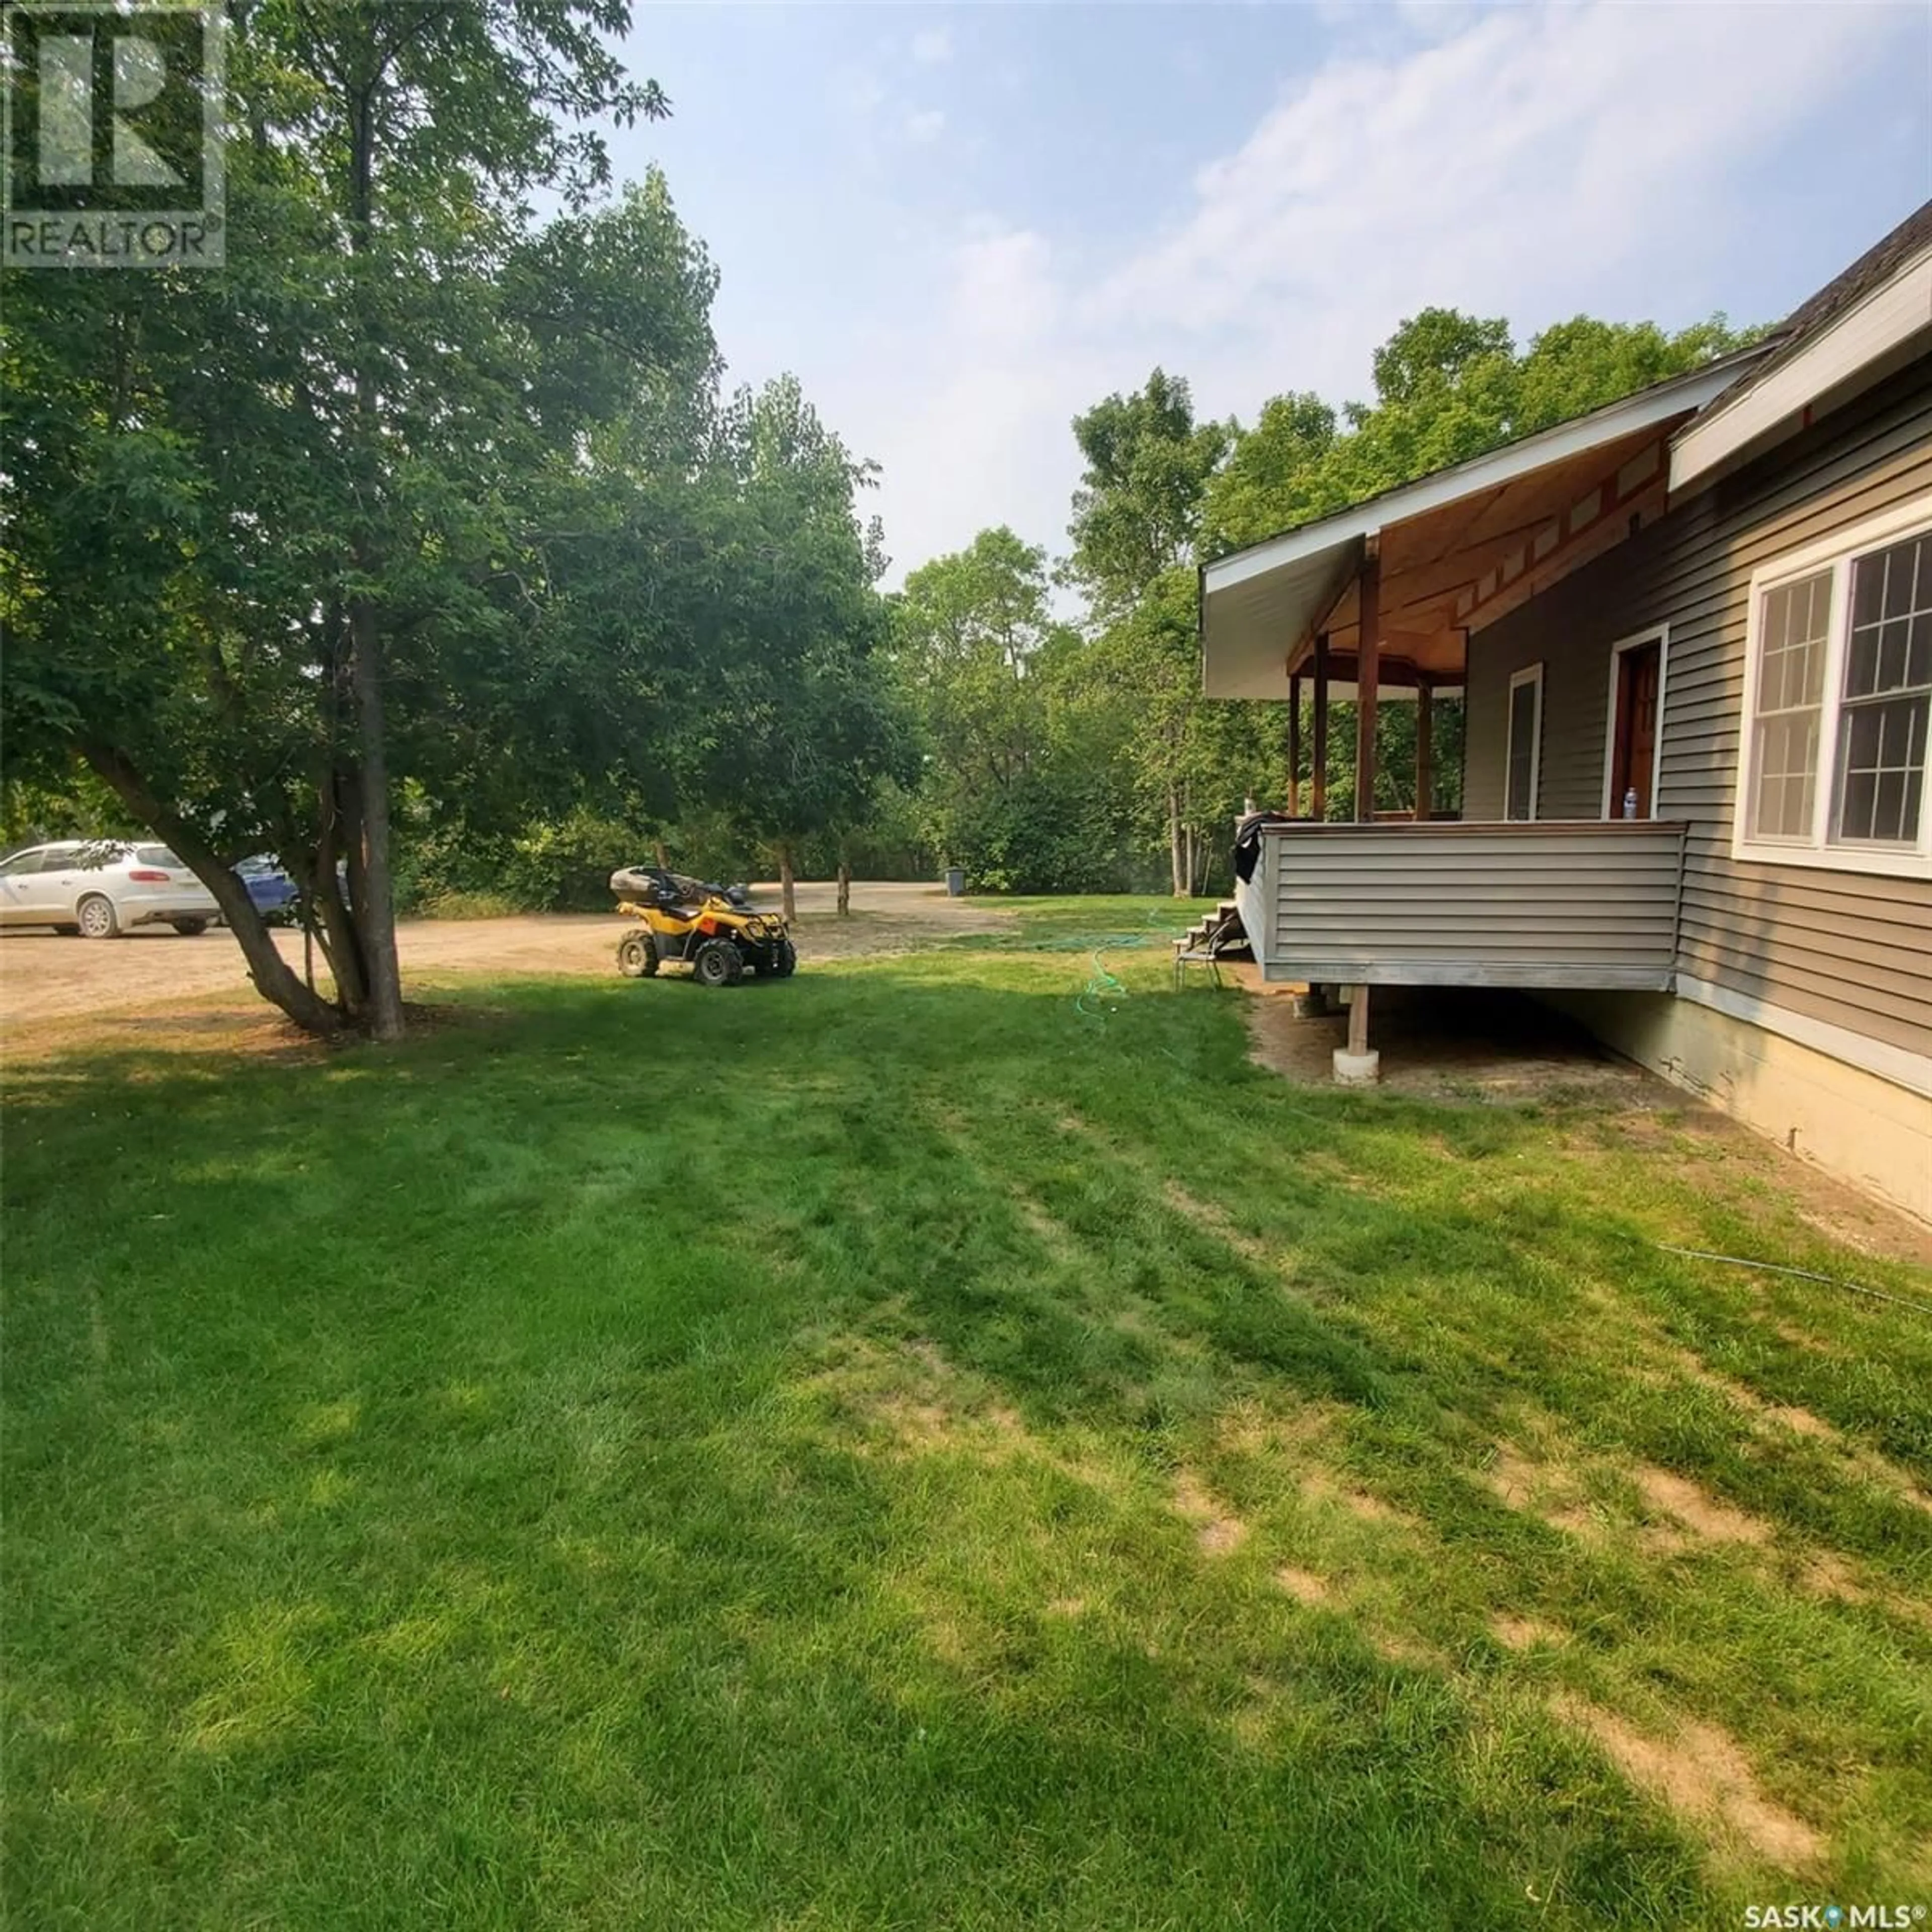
x: 1457, y: 549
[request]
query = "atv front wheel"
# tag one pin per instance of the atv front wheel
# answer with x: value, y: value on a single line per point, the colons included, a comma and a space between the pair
x: 717, y: 963
x: 785, y: 961
x: 636, y: 956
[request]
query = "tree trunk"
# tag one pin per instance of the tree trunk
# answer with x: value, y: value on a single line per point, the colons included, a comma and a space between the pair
x: 1176, y: 855
x: 663, y: 856
x: 342, y: 941
x: 787, y: 885
x: 275, y: 978
x: 845, y: 886
x: 376, y: 915
x: 376, y: 922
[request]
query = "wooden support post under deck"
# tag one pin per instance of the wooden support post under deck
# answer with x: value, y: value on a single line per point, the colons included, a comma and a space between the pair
x: 1425, y: 749
x: 1355, y: 1064
x: 1358, y: 1019
x: 1318, y: 779
x: 1295, y: 747
x: 1368, y: 677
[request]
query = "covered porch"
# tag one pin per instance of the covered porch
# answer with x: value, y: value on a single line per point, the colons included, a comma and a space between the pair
x: 1377, y: 604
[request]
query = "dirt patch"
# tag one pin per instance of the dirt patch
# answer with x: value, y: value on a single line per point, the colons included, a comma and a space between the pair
x: 1211, y: 1219
x: 1399, y: 1647
x: 1826, y: 1573
x: 1703, y: 1775
x: 1515, y: 1632
x: 908, y: 1399
x: 1801, y: 1422
x: 1535, y: 1488
x: 1303, y: 1585
x: 1514, y: 1477
x: 45, y: 978
x: 1699, y: 1511
x: 1217, y: 1528
x: 1320, y: 1487
x: 1801, y: 1338
x: 1067, y: 1606
x: 1248, y: 1430
x: 1769, y: 1417
x: 1453, y: 1043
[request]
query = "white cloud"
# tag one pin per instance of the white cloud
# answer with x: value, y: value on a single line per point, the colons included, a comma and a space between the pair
x: 924, y: 124
x: 932, y: 46
x: 1524, y: 164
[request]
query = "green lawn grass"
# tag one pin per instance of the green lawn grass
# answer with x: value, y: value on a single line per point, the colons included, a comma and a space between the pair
x: 902, y: 1447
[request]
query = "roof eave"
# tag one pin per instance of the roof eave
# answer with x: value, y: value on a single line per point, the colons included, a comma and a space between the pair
x: 1855, y: 347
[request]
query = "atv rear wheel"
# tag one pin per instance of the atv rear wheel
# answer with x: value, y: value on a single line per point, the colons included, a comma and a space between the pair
x: 718, y: 962
x: 636, y: 955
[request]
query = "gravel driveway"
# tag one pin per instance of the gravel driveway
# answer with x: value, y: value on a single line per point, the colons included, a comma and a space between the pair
x: 46, y: 978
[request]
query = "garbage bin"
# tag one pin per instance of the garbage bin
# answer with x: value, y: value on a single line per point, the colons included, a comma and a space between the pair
x: 955, y: 882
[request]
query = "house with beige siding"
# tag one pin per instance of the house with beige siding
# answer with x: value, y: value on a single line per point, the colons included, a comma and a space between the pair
x: 1692, y: 633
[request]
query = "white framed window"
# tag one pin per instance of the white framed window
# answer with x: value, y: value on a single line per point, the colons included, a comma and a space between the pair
x: 1523, y: 761
x: 1834, y: 771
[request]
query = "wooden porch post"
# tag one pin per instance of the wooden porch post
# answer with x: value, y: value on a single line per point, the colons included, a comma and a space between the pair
x: 1425, y: 747
x: 1355, y: 1065
x: 1295, y: 747
x: 1317, y: 778
x: 1368, y: 680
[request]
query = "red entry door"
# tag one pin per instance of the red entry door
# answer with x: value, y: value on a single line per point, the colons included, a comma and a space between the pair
x: 1633, y: 755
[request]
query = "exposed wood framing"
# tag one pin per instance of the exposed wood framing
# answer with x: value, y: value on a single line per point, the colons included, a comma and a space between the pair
x: 1295, y: 747
x: 1318, y: 782
x: 1598, y: 519
x: 1425, y: 732
x: 1368, y: 666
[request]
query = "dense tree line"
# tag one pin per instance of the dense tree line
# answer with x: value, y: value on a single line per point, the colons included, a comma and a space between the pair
x: 1080, y: 754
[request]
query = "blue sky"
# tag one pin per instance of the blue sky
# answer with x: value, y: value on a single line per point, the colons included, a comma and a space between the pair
x: 961, y: 225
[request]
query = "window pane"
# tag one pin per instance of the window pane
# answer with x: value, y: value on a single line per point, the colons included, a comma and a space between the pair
x: 1792, y: 626
x: 1887, y: 696
x: 1882, y: 767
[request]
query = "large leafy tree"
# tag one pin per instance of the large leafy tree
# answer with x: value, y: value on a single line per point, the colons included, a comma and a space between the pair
x: 1007, y: 778
x: 281, y: 533
x: 1137, y: 510
x: 803, y: 728
x: 1137, y: 520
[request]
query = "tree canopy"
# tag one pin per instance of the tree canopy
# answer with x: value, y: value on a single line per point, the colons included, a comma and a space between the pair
x: 420, y: 493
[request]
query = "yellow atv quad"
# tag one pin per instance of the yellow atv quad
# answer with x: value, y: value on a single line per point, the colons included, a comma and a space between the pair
x: 713, y: 929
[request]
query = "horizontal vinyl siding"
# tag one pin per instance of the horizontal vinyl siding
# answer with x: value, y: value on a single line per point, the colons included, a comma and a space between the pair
x: 1548, y: 905
x: 1853, y: 949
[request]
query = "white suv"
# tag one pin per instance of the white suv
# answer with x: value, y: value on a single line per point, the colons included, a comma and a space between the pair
x: 103, y: 887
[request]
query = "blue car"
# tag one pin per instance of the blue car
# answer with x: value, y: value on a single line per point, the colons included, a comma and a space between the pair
x: 271, y: 888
